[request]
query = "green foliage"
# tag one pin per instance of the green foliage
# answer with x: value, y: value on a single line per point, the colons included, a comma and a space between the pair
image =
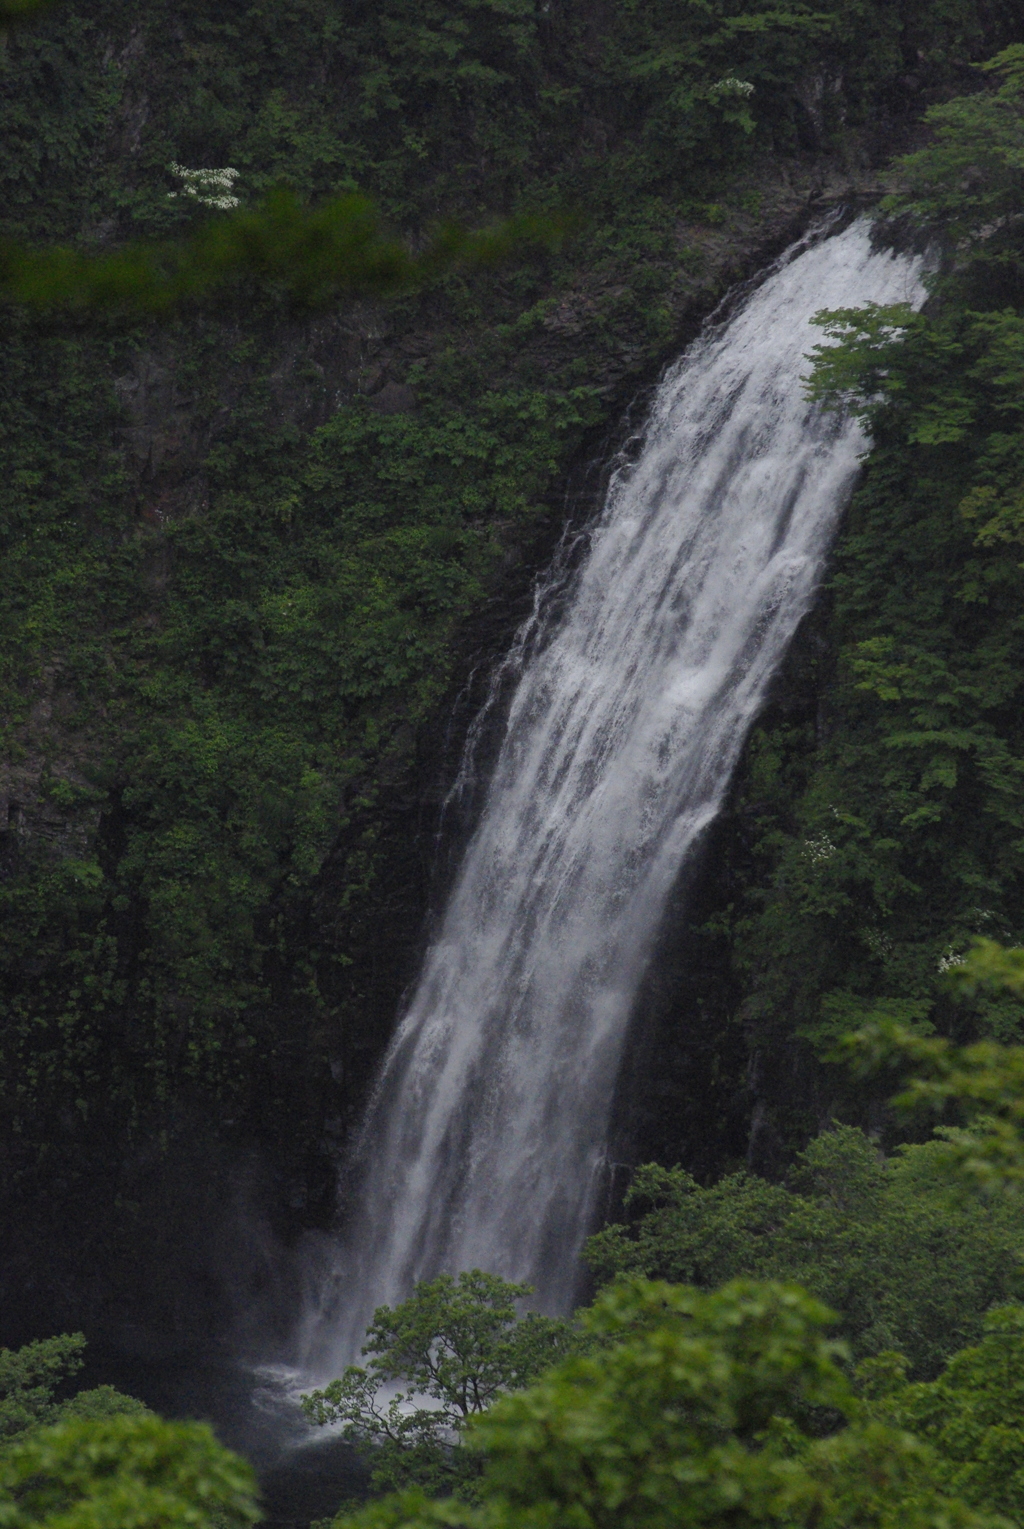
x: 971, y: 1415
x: 883, y: 839
x: 985, y: 1081
x: 125, y: 1473
x: 309, y: 624
x: 217, y: 681
x: 100, y: 1460
x: 29, y: 1376
x: 969, y: 182
x: 990, y: 965
x: 875, y: 1474
x: 908, y: 1262
x: 454, y: 1346
x: 689, y: 1411
x: 667, y: 1424
x: 460, y: 107
x: 942, y: 381
x: 99, y: 1403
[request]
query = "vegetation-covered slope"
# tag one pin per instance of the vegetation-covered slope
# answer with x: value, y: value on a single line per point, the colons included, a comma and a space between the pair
x: 875, y: 828
x: 243, y: 553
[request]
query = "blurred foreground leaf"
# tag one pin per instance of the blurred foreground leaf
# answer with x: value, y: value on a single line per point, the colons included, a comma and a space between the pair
x: 309, y: 257
x: 125, y: 1473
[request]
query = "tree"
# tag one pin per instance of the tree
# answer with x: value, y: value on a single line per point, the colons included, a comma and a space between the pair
x: 125, y: 1473
x: 308, y: 257
x: 906, y: 1260
x: 968, y: 184
x: 669, y: 1422
x: 953, y: 378
x: 30, y: 1376
x: 973, y: 1416
x: 454, y: 1346
x: 102, y: 1460
x: 984, y: 1082
x: 692, y: 1409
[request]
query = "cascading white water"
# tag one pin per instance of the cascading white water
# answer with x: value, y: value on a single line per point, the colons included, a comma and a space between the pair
x: 483, y: 1143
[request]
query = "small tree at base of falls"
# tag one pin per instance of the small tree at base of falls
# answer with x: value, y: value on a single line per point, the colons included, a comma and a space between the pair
x: 437, y: 1360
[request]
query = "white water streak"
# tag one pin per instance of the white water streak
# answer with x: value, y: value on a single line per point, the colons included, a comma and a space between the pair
x: 483, y: 1143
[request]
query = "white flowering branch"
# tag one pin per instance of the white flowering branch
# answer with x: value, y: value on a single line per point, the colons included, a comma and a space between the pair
x: 212, y: 188
x: 731, y: 86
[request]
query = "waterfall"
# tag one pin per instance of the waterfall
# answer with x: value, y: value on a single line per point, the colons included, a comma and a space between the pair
x: 482, y: 1145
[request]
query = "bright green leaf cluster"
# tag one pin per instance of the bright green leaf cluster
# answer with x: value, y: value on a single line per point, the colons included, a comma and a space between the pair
x: 31, y: 1378
x: 30, y: 1375
x: 972, y: 1415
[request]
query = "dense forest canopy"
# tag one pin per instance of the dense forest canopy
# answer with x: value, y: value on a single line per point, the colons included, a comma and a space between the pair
x: 252, y: 555
x: 231, y: 602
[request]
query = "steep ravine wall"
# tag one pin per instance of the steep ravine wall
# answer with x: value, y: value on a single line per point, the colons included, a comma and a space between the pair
x: 174, y: 1240
x: 259, y: 566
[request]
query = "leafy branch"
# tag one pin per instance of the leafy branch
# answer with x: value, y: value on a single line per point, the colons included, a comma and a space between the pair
x: 455, y: 1345
x: 985, y: 1079
x: 970, y: 180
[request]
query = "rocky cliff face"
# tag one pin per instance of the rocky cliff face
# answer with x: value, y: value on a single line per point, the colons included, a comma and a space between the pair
x: 167, y: 427
x: 260, y: 565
